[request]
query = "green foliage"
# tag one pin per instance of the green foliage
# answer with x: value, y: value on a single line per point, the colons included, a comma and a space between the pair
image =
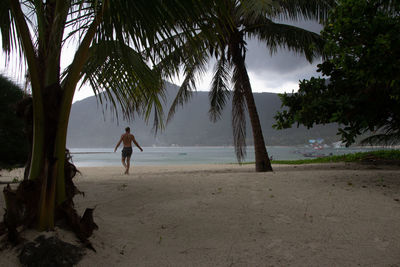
x: 362, y: 92
x: 13, y: 143
x: 391, y: 155
x: 224, y: 37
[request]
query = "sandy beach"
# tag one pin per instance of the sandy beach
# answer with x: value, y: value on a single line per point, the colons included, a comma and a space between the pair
x: 228, y: 215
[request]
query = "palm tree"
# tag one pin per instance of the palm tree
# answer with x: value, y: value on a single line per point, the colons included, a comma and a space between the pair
x: 240, y: 20
x: 110, y: 35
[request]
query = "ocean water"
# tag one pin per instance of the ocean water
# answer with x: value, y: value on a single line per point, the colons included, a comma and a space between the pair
x: 97, y: 157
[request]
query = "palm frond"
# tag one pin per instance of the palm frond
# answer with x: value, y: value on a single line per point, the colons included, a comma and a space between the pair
x: 295, y: 39
x: 137, y: 24
x: 165, y: 57
x: 79, y: 18
x: 303, y: 9
x: 7, y: 27
x: 239, y: 109
x: 385, y: 139
x: 11, y: 40
x: 387, y: 133
x: 162, y: 25
x: 195, y: 56
x: 119, y: 74
x: 251, y: 10
x: 170, y: 54
x: 192, y: 69
x: 219, y: 90
x: 145, y: 23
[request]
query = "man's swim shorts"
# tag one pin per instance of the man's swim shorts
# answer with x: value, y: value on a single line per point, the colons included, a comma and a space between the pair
x: 126, y: 152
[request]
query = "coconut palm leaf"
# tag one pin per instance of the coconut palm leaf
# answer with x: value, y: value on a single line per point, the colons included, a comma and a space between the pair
x: 239, y: 109
x: 8, y: 31
x: 191, y: 71
x: 122, y: 77
x: 168, y: 55
x: 295, y: 39
x: 219, y: 89
x: 386, y: 134
x: 138, y: 24
x: 12, y: 38
x: 194, y: 55
x: 303, y: 9
x: 163, y: 27
x: 384, y: 139
x: 250, y: 10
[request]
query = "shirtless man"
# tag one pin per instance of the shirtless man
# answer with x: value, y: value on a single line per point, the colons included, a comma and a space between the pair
x: 127, y: 138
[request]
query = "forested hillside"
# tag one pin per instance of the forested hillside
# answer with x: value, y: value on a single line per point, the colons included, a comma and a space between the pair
x: 91, y: 127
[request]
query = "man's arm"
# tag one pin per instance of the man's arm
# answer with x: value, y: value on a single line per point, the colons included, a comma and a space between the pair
x: 136, y: 143
x: 120, y: 140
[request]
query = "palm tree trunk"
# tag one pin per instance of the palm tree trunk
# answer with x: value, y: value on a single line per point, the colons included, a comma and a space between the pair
x: 263, y: 163
x: 46, y: 195
x: 50, y: 165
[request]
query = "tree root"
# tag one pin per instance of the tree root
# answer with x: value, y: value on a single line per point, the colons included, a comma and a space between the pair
x: 22, y: 208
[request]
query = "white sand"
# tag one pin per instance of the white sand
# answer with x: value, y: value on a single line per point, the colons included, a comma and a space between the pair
x: 228, y: 215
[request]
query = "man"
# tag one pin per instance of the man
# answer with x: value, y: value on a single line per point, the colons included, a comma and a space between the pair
x: 127, y: 138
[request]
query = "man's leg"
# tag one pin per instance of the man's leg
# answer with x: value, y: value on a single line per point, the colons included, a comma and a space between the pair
x: 128, y: 163
x: 123, y: 162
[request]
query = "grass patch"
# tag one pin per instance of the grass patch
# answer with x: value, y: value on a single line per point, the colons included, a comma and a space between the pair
x: 379, y: 155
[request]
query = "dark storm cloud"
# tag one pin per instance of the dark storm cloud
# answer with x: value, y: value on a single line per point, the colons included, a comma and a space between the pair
x: 283, y: 66
x: 259, y: 58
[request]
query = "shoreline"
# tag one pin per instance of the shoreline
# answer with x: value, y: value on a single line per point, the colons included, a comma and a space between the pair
x: 222, y: 215
x: 198, y: 155
x: 248, y: 146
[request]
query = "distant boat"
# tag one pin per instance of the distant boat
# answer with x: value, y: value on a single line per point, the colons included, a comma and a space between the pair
x: 318, y: 147
x: 338, y: 144
x: 182, y: 154
x: 317, y: 143
x: 313, y: 155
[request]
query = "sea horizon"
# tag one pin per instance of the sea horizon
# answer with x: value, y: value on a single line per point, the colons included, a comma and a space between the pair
x: 185, y: 155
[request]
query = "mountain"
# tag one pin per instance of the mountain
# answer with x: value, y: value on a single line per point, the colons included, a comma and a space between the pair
x: 94, y: 125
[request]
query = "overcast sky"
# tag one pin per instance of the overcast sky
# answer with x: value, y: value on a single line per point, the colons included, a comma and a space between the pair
x: 278, y: 73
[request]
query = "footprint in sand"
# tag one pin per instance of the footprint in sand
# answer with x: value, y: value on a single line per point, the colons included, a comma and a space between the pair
x: 381, y: 244
x: 333, y: 219
x: 275, y: 243
x: 298, y: 200
x: 314, y: 246
x: 281, y: 218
